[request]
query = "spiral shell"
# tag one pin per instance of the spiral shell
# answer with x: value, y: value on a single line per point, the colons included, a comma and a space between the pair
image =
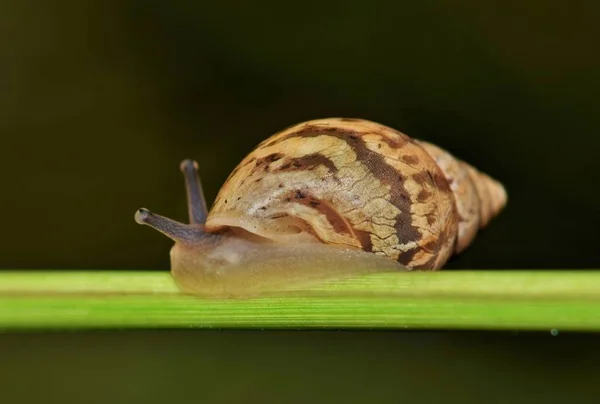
x: 360, y: 184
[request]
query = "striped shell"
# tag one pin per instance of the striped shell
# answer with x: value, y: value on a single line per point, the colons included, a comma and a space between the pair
x: 357, y: 183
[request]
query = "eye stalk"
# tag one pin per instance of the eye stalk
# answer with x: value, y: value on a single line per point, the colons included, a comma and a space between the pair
x: 195, y: 194
x: 187, y: 234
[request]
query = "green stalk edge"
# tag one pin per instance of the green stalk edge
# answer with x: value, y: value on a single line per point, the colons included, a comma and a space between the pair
x: 515, y: 300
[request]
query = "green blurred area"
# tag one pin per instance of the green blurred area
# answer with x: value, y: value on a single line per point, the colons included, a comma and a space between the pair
x: 101, y: 100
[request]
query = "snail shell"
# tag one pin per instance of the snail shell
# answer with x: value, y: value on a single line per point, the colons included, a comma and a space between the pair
x: 359, y: 184
x: 327, y: 198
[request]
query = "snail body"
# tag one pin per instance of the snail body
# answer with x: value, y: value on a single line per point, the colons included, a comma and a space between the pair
x: 323, y: 199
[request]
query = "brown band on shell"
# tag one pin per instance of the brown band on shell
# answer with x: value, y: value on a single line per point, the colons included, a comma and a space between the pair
x: 433, y: 248
x: 405, y: 231
x: 308, y: 162
x: 337, y: 221
x: 264, y: 162
x: 412, y: 160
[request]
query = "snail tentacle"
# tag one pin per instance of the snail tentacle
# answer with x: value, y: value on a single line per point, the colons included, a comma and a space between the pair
x: 187, y: 234
x: 195, y: 195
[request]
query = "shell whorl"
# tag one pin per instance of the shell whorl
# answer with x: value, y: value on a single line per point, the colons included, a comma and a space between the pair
x: 360, y: 184
x: 477, y: 196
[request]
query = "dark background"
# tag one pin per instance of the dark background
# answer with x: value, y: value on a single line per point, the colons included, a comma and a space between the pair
x: 102, y: 100
x: 99, y: 101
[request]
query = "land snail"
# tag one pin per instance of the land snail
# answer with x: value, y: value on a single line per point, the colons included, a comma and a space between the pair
x: 326, y: 199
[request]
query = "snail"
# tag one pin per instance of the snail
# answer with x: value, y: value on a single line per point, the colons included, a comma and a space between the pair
x: 325, y: 199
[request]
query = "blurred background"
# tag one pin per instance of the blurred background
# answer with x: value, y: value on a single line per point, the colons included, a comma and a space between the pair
x: 100, y: 101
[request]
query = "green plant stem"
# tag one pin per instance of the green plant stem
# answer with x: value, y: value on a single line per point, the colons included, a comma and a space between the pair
x: 527, y: 300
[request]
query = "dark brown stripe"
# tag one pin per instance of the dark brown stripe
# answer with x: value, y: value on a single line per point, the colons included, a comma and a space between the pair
x: 432, y: 247
x: 409, y: 255
x: 308, y: 162
x: 383, y: 171
x: 364, y: 237
x: 338, y: 222
x: 437, y: 179
x: 424, y: 195
x: 431, y: 219
x: 412, y: 160
x: 394, y: 142
x: 264, y: 162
